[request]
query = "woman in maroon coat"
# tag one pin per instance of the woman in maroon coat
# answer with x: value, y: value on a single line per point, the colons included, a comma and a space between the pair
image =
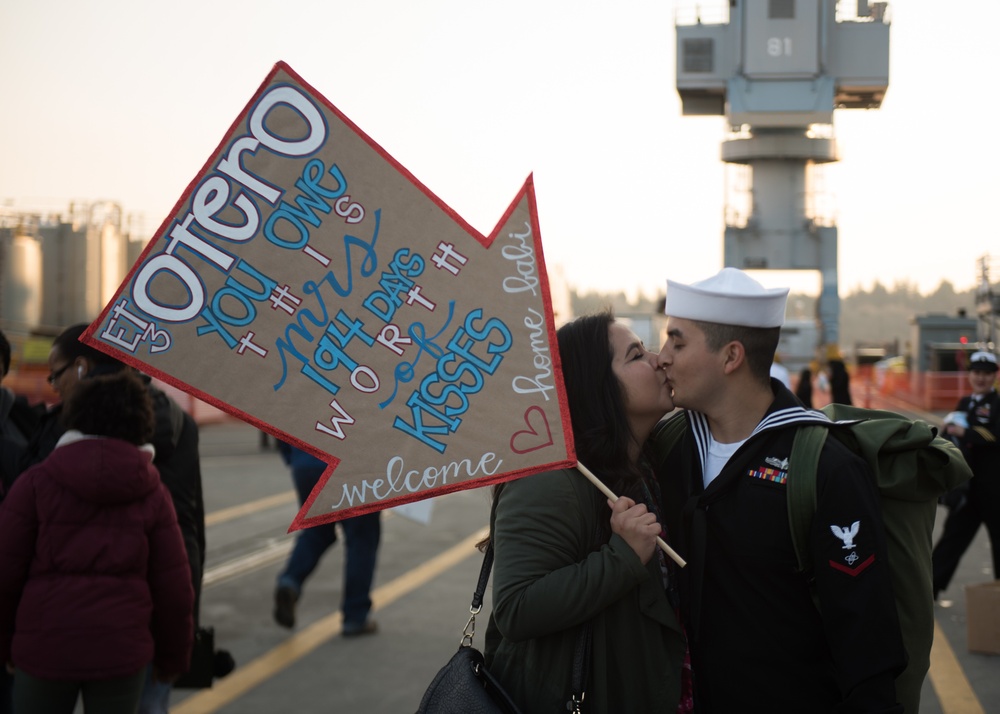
x: 94, y: 580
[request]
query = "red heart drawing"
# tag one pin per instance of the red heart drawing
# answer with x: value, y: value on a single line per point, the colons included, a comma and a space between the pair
x: 528, y: 437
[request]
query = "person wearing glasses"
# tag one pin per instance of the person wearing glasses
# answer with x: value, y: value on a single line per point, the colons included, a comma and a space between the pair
x: 69, y: 361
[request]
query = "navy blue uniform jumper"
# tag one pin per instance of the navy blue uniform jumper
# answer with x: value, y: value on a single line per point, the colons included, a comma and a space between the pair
x: 759, y: 643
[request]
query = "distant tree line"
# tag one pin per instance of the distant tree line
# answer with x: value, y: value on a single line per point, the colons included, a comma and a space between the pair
x: 877, y: 316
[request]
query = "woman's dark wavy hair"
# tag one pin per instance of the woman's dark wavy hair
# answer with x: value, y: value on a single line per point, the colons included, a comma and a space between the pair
x: 597, y: 410
x: 596, y: 399
x: 114, y: 405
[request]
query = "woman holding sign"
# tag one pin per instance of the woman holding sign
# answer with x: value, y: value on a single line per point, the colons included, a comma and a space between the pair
x: 564, y: 560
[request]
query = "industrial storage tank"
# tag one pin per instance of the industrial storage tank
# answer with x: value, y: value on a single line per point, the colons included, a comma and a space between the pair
x: 20, y: 278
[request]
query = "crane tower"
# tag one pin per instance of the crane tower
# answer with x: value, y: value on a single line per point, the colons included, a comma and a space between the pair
x: 777, y: 70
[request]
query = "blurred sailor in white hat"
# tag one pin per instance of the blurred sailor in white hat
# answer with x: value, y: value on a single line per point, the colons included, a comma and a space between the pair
x: 975, y: 427
x: 983, y: 361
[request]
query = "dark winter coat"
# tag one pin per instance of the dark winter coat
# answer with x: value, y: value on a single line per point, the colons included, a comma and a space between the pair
x: 93, y: 575
x: 178, y: 460
x: 548, y: 581
x: 18, y: 421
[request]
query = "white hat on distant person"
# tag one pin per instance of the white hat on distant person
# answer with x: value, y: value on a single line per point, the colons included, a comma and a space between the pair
x: 731, y: 297
x: 985, y: 361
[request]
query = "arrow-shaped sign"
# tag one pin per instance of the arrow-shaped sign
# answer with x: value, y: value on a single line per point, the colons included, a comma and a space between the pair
x: 308, y: 283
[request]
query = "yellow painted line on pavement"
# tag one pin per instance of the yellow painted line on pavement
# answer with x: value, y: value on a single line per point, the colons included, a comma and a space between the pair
x: 226, y: 690
x: 246, y: 509
x: 953, y: 690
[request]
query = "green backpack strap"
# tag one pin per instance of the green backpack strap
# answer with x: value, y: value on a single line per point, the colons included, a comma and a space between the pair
x: 800, y: 489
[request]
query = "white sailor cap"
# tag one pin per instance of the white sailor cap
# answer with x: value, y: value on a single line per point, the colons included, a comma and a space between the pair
x: 985, y: 361
x: 731, y: 297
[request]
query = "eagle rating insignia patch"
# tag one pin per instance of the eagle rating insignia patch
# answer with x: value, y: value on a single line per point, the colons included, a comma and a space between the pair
x: 852, y: 564
x: 847, y: 534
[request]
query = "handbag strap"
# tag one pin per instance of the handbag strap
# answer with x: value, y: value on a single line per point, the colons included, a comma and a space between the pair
x: 581, y: 652
x: 484, y: 577
x: 581, y: 666
x: 477, y: 597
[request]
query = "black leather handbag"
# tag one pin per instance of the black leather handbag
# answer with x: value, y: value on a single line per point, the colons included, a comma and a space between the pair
x: 200, y: 673
x: 465, y: 686
x: 207, y: 663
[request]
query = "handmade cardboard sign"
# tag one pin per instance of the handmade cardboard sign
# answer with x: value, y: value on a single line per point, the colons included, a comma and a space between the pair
x: 308, y: 283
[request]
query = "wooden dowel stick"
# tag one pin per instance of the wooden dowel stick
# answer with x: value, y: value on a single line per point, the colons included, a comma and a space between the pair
x: 608, y: 492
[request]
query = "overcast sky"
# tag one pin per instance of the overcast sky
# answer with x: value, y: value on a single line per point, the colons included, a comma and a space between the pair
x: 125, y: 100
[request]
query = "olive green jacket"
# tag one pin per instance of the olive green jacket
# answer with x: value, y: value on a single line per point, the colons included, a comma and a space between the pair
x: 548, y: 581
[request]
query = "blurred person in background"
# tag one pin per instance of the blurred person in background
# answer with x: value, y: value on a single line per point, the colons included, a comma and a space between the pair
x: 362, y: 534
x: 840, y: 379
x: 804, y: 388
x: 780, y: 372
x: 978, y: 435
x: 177, y: 458
x: 18, y: 420
x: 94, y: 582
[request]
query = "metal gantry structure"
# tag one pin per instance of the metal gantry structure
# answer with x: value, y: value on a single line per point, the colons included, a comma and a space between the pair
x: 777, y: 70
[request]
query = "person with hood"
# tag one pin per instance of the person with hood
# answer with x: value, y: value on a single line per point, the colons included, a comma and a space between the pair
x: 177, y: 459
x: 93, y: 571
